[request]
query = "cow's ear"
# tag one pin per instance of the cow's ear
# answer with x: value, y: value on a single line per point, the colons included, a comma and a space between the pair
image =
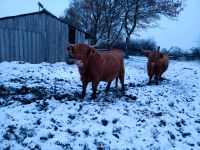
x: 161, y: 55
x: 146, y: 54
x: 91, y: 51
x: 70, y: 49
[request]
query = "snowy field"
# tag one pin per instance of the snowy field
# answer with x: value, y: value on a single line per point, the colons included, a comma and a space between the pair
x: 40, y: 109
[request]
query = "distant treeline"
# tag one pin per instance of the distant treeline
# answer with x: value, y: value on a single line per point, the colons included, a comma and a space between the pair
x: 150, y: 44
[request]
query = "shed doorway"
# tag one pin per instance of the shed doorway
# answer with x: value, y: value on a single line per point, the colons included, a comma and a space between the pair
x: 72, y: 35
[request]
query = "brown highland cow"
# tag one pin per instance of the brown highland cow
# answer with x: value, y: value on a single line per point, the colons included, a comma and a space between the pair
x: 157, y: 64
x: 97, y: 66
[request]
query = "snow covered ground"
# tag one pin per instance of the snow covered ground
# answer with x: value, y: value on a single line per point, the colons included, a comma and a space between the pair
x: 40, y: 109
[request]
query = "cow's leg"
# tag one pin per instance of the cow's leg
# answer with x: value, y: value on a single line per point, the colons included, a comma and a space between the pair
x: 150, y: 78
x: 94, y: 88
x: 156, y: 78
x: 161, y: 78
x: 116, y: 85
x: 121, y: 78
x: 108, y: 86
x: 84, y: 84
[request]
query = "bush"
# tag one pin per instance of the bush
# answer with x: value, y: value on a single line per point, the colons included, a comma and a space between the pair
x: 196, y: 52
x: 136, y: 45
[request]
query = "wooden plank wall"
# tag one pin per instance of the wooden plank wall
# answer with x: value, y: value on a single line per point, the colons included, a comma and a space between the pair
x: 88, y: 41
x: 56, y: 39
x: 80, y: 37
x: 33, y: 38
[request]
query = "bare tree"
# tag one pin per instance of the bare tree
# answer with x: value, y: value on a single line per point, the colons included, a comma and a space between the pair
x: 98, y: 17
x: 72, y: 17
x: 142, y: 14
x: 106, y: 19
x: 113, y: 25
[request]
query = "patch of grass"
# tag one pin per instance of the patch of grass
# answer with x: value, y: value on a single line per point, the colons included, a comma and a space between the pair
x: 72, y: 133
x: 104, y: 122
x: 86, y: 132
x: 162, y: 123
x: 66, y: 146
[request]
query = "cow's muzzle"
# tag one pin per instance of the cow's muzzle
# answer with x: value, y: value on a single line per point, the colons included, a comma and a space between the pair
x: 153, y: 64
x: 79, y: 63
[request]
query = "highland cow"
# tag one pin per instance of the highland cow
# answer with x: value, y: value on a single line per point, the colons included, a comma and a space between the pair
x: 157, y: 64
x: 97, y: 66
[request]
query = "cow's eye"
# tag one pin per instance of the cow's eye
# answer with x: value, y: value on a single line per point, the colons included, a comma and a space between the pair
x: 70, y: 49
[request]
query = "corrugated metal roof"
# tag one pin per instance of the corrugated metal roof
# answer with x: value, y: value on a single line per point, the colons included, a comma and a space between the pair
x: 49, y: 13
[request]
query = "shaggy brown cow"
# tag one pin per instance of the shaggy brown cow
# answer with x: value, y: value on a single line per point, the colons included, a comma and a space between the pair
x: 96, y: 66
x: 157, y: 64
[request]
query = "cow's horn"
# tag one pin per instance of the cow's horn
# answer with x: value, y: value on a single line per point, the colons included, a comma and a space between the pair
x: 69, y: 44
x: 93, y: 45
x: 169, y: 50
x: 143, y: 49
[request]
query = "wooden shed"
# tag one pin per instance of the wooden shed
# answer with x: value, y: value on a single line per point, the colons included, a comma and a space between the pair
x: 37, y: 37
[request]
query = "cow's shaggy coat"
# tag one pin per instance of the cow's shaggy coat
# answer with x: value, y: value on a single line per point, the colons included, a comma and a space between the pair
x: 157, y: 64
x: 97, y: 66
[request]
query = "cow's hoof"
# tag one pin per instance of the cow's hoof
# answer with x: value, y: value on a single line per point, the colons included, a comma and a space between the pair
x: 161, y: 79
x: 93, y: 97
x: 149, y: 83
x: 107, y: 90
x: 81, y: 96
x: 116, y: 92
x: 123, y: 90
x: 122, y: 94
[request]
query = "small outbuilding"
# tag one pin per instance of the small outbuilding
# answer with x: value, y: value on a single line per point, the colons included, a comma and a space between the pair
x: 38, y: 37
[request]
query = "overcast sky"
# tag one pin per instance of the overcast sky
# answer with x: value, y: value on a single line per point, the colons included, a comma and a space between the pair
x: 183, y: 33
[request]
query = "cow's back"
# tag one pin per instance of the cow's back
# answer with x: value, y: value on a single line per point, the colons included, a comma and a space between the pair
x: 113, y: 64
x: 162, y: 64
x: 165, y: 62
